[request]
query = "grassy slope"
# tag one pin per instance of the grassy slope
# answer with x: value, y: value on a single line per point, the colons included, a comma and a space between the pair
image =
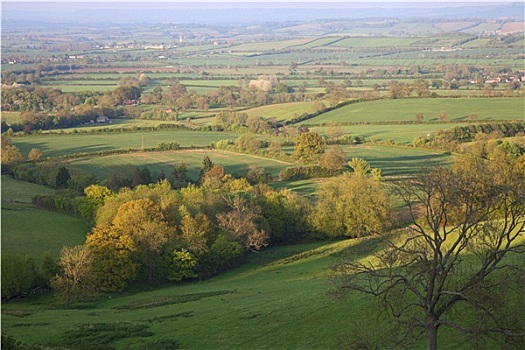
x: 281, y: 111
x: 278, y: 300
x: 393, y: 161
x: 30, y: 231
x: 397, y: 110
x: 398, y: 132
x: 57, y: 145
x: 125, y: 163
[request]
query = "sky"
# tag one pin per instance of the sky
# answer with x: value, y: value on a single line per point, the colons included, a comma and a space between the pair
x: 15, y: 9
x: 364, y: 3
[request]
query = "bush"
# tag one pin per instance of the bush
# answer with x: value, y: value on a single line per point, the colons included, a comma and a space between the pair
x: 225, y: 253
x: 306, y: 172
x: 19, y: 275
x: 167, y: 146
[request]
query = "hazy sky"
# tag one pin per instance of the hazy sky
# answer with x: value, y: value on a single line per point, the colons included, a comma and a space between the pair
x: 363, y: 3
x: 13, y: 9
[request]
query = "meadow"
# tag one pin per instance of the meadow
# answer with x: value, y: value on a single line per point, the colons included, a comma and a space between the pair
x: 407, y: 109
x: 398, y: 133
x: 55, y: 145
x: 233, y: 163
x: 281, y: 111
x: 29, y: 231
x: 279, y: 299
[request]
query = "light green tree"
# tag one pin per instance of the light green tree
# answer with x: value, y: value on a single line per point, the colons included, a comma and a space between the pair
x: 359, y: 166
x: 309, y: 147
x: 112, y: 253
x: 353, y: 206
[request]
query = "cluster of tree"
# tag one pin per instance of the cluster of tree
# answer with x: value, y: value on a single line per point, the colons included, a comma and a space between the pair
x: 172, y: 230
x: 239, y: 122
x: 453, y: 139
x: 397, y: 90
x: 492, y: 146
x: 157, y: 233
x: 259, y: 92
x: 21, y: 274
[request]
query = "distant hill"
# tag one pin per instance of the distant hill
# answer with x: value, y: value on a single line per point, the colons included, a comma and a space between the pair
x: 242, y: 13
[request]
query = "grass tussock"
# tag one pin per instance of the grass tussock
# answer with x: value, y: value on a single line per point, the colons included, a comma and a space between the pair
x: 102, y: 336
x: 176, y: 299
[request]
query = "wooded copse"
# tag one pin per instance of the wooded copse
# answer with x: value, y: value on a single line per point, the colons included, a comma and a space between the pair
x: 196, y: 231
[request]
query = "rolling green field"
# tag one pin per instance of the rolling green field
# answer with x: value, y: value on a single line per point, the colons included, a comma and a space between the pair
x: 279, y: 297
x: 14, y: 191
x: 398, y: 161
x: 407, y: 109
x: 277, y: 300
x: 234, y: 163
x: 59, y: 145
x: 29, y: 231
x: 394, y: 162
x: 268, y: 46
x: 281, y: 111
x: 396, y: 132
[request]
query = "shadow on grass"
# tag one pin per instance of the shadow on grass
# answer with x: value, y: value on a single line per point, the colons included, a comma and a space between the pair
x: 153, y: 302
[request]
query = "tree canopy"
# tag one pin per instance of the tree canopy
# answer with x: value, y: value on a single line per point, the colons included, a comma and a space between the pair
x: 463, y: 252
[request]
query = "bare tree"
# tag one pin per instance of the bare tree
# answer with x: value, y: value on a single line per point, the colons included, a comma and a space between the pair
x: 463, y: 253
x: 241, y: 222
x: 74, y: 281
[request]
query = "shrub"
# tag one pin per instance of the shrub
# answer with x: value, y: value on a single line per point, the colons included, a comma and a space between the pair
x: 19, y: 275
x: 306, y: 172
x: 225, y: 253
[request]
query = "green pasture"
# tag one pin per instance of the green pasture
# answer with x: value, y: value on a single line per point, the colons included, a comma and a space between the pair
x: 82, y: 87
x: 398, y: 161
x: 10, y: 117
x: 406, y: 28
x: 384, y: 132
x: 281, y: 111
x: 395, y: 162
x: 29, y: 231
x: 375, y: 42
x: 407, y: 109
x: 269, y: 46
x: 233, y: 163
x: 277, y: 300
x: 212, y: 83
x: 54, y: 145
x: 318, y: 42
x: 14, y: 191
x: 130, y: 124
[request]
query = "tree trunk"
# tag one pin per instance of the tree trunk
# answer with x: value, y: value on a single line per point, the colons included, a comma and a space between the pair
x: 432, y: 331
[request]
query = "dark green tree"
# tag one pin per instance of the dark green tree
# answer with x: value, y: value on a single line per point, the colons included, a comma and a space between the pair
x: 62, y: 178
x: 207, y: 164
